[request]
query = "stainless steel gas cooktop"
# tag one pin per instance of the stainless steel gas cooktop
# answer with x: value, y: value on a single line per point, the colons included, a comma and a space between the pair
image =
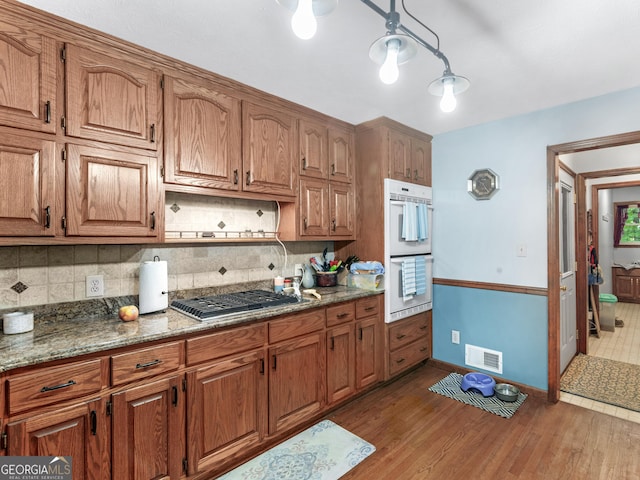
x: 216, y: 306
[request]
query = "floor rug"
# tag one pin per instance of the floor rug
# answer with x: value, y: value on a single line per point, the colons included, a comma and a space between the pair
x: 449, y: 386
x: 603, y: 380
x: 325, y: 451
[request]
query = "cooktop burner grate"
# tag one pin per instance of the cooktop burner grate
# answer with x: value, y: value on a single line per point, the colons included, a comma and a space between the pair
x: 206, y: 308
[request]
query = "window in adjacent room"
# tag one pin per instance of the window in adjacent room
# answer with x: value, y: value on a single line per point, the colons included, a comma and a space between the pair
x: 627, y: 224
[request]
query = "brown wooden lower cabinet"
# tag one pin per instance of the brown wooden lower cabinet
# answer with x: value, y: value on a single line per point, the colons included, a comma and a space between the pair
x: 296, y: 381
x: 226, y: 410
x: 204, y: 401
x: 80, y: 431
x: 148, y: 431
x: 626, y: 284
x: 408, y: 343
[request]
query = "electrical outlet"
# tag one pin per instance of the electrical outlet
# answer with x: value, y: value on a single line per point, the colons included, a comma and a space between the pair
x: 455, y: 336
x: 94, y: 286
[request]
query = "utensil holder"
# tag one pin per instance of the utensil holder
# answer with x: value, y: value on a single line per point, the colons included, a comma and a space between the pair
x: 17, y: 322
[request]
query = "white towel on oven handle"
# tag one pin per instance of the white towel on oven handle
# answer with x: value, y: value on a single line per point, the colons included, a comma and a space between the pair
x: 410, y: 221
x: 408, y: 278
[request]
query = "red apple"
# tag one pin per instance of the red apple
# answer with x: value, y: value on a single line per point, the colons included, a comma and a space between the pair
x: 128, y: 313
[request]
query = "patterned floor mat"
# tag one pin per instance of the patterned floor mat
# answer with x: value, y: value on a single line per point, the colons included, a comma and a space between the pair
x: 450, y: 387
x: 603, y: 380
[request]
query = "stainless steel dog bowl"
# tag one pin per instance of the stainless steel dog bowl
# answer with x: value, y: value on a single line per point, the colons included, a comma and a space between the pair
x: 506, y: 392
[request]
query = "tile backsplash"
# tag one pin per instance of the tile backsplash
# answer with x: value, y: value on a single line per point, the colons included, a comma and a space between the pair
x: 38, y: 275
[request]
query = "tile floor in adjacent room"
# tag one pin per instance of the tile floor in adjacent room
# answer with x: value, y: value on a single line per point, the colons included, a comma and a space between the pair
x: 622, y: 345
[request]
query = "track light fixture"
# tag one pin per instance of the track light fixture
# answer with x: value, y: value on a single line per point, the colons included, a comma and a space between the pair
x: 390, y: 50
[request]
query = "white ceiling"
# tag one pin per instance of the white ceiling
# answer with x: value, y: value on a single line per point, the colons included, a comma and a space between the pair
x: 520, y: 55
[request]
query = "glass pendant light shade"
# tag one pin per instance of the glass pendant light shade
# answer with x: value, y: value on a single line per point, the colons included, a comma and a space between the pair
x: 447, y: 87
x: 407, y: 48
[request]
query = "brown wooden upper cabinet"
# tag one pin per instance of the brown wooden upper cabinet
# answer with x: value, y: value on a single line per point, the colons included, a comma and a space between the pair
x: 28, y: 70
x: 27, y: 186
x: 110, y: 99
x: 268, y: 148
x: 314, y: 161
x: 111, y: 193
x: 409, y: 158
x: 341, y: 154
x: 202, y: 142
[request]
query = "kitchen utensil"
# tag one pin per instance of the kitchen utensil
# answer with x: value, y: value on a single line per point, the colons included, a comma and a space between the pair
x: 312, y: 291
x: 325, y: 264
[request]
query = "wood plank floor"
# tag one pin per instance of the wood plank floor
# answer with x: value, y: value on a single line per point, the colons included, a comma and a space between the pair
x: 422, y: 435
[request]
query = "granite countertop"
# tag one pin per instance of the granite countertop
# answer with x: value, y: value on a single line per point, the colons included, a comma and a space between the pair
x: 79, y: 334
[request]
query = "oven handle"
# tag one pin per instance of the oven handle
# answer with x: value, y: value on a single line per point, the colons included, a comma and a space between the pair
x: 402, y: 202
x: 401, y: 259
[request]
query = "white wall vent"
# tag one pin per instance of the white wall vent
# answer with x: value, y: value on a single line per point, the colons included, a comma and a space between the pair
x: 484, y: 358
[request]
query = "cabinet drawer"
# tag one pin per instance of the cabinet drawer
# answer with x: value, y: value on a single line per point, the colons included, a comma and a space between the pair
x: 145, y: 362
x: 367, y: 307
x: 297, y: 325
x: 49, y: 385
x: 226, y: 343
x: 343, y: 313
x: 409, y: 355
x: 406, y: 331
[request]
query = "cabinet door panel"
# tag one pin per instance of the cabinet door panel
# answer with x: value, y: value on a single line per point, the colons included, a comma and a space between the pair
x: 28, y: 64
x: 27, y: 186
x: 296, y: 382
x: 313, y: 149
x: 341, y: 155
x: 367, y: 352
x: 399, y: 156
x: 110, y: 99
x: 314, y: 211
x: 80, y: 432
x: 342, y: 210
x: 227, y: 409
x: 421, y: 161
x: 148, y: 441
x: 110, y: 193
x: 268, y: 149
x: 340, y: 363
x: 203, y: 136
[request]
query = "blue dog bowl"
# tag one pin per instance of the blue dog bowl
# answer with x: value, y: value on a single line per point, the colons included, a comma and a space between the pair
x: 481, y: 382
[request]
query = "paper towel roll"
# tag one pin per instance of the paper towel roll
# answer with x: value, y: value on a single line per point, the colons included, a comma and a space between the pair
x: 154, y: 286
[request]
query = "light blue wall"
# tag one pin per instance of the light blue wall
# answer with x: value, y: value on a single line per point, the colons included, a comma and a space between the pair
x: 478, y: 240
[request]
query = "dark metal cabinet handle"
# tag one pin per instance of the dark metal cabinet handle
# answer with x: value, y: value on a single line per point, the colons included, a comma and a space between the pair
x: 359, y: 334
x: 333, y: 224
x: 333, y: 169
x: 57, y: 387
x: 262, y: 366
x: 400, y: 360
x: 153, y: 133
x: 423, y: 349
x: 47, y: 112
x: 174, y: 390
x: 47, y: 217
x: 333, y: 343
x: 415, y: 174
x: 274, y: 364
x: 304, y: 163
x: 408, y: 175
x: 342, y: 315
x: 93, y: 421
x: 401, y: 336
x: 305, y: 223
x: 153, y: 220
x: 235, y: 176
x: 424, y: 327
x: 368, y: 309
x: 157, y: 361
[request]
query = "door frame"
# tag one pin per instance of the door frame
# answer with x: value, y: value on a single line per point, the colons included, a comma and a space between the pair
x: 553, y: 249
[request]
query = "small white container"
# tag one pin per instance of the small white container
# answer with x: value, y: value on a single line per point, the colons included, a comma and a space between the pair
x: 17, y: 322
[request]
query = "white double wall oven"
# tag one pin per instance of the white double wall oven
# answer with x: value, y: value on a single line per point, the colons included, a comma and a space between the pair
x: 408, y: 221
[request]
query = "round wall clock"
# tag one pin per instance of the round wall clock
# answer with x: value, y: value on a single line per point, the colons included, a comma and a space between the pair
x: 483, y: 184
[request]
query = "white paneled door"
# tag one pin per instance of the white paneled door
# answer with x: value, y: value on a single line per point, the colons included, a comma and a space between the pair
x: 567, y: 215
